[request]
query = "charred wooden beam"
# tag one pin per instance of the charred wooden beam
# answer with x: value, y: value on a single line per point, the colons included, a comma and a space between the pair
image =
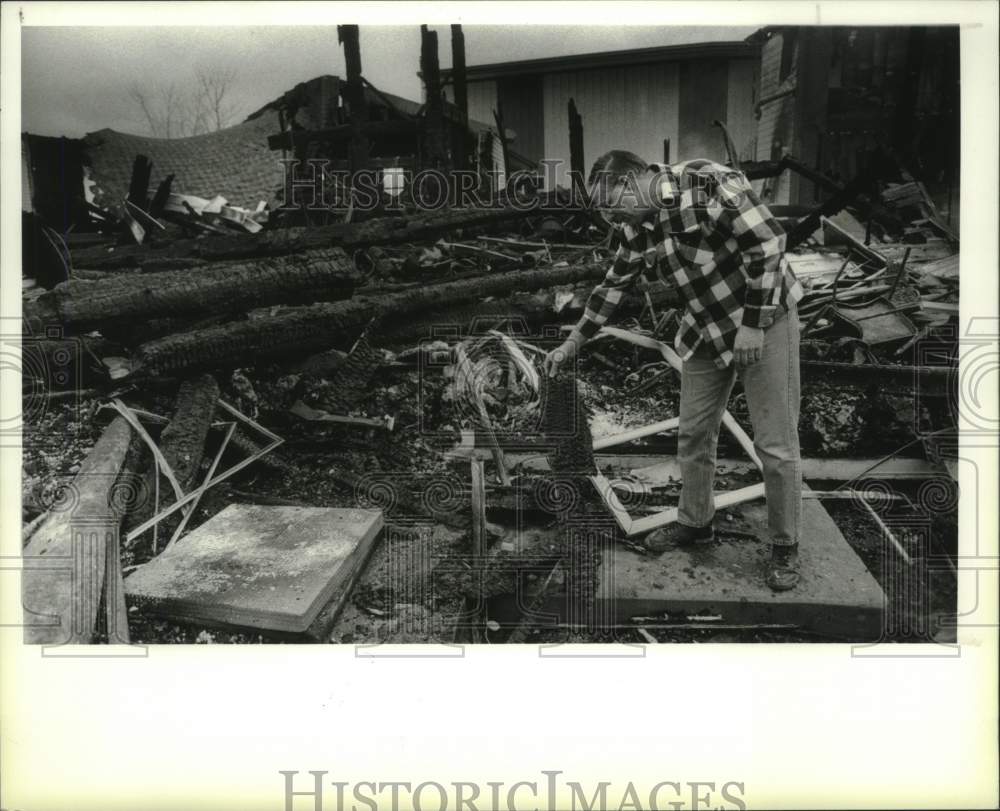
x: 458, y: 69
x: 350, y: 381
x: 357, y: 107
x: 182, y: 444
x: 577, y: 168
x: 461, y: 93
x: 576, y: 150
x: 138, y: 190
x: 380, y: 231
x: 169, y: 271
x: 805, y: 227
x: 758, y: 170
x: 159, y: 200
x: 183, y: 439
x: 270, y: 463
x: 133, y: 333
x: 467, y: 318
x: 303, y: 330
x: 434, y: 140
x: 296, y: 279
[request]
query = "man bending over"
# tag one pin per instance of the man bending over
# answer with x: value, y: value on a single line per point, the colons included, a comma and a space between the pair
x: 700, y: 227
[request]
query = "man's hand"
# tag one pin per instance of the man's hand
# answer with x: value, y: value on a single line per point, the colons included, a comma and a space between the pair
x: 749, y: 345
x: 563, y: 353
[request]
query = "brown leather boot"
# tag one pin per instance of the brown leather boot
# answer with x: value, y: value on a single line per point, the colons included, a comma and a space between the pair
x: 782, y: 569
x: 660, y: 540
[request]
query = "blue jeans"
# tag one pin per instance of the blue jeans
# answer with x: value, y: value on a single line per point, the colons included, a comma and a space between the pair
x: 772, y: 392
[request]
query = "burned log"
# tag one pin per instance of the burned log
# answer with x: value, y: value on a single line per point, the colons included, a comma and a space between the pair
x: 183, y: 439
x: 272, y: 463
x: 303, y: 330
x: 182, y: 444
x: 464, y: 319
x: 316, y: 275
x: 133, y: 333
x: 350, y: 382
x: 280, y: 242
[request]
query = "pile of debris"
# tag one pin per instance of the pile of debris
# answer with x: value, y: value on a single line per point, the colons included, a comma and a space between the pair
x: 385, y: 355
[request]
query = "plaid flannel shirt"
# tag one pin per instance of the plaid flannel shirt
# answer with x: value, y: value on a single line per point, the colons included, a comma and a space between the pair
x: 710, y: 237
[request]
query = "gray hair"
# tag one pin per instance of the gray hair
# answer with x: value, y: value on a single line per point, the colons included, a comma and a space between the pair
x: 616, y: 165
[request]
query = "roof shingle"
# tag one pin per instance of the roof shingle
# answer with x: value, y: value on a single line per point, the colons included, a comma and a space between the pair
x: 234, y: 162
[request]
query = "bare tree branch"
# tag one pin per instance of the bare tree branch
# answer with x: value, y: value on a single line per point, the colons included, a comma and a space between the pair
x: 141, y: 98
x: 214, y: 91
x: 172, y: 113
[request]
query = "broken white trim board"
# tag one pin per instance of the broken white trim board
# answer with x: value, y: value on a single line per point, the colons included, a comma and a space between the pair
x: 64, y: 562
x: 254, y: 566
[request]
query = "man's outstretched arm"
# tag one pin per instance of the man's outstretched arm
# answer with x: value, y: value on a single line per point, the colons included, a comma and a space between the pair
x: 601, y: 304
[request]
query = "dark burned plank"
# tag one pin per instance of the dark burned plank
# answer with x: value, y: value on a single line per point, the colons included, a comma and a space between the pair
x: 183, y: 445
x: 84, y: 305
x: 278, y: 242
x: 302, y: 330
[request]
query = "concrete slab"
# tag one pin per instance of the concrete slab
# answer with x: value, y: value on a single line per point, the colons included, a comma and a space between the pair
x: 837, y: 595
x: 253, y: 566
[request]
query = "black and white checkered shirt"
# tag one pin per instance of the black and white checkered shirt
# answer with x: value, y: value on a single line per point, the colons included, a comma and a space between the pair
x: 710, y: 237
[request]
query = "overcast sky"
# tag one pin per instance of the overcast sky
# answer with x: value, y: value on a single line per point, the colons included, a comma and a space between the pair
x: 75, y: 80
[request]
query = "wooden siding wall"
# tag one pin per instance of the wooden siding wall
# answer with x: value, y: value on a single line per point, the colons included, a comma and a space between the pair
x: 632, y: 108
x: 704, y: 94
x: 482, y: 98
x: 742, y: 96
x: 521, y: 101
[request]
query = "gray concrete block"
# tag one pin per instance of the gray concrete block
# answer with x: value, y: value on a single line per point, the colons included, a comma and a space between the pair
x: 273, y: 568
